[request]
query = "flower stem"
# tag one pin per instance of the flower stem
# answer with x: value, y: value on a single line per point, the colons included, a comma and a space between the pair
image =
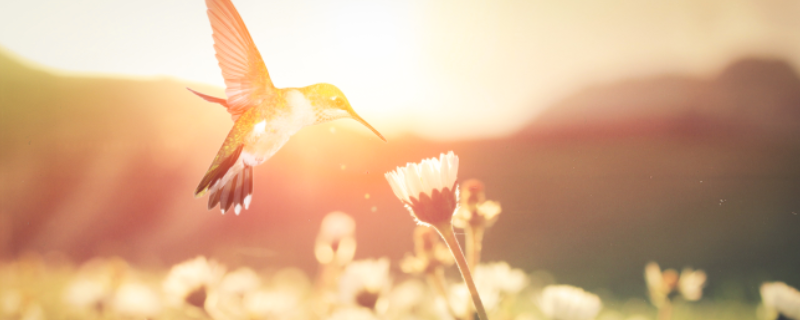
x: 474, y: 244
x: 446, y: 231
x: 665, y: 311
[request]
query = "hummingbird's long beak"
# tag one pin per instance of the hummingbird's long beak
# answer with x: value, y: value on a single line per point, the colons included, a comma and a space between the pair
x: 356, y: 117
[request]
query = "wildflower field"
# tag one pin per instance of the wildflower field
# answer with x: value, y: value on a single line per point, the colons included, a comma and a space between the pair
x: 423, y: 285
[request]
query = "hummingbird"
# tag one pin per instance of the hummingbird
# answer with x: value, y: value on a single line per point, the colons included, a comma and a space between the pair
x: 264, y: 117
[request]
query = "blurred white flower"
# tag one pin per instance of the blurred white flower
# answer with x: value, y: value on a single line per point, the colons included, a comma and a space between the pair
x: 611, y: 315
x: 33, y: 311
x: 526, y: 316
x: 691, y: 284
x: 266, y: 303
x: 335, y: 226
x: 406, y: 296
x: 364, y: 282
x: 501, y: 277
x: 563, y: 302
x: 291, y: 279
x: 460, y: 300
x: 430, y: 253
x: 336, y: 241
x: 134, y: 299
x: 225, y: 301
x: 428, y: 188
x: 495, y: 281
x: 283, y: 299
x: 781, y: 299
x: 10, y: 302
x: 659, y: 284
x: 475, y: 210
x: 239, y: 281
x: 87, y: 293
x: 94, y: 284
x: 352, y: 313
x: 489, y: 210
x: 189, y: 282
x: 13, y: 305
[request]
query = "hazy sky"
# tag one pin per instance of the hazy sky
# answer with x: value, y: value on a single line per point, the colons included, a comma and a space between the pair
x: 442, y: 69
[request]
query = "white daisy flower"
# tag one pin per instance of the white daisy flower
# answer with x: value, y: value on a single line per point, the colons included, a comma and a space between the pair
x: 475, y: 210
x: 336, y: 241
x: 501, y: 277
x: 662, y: 285
x: 239, y: 281
x: 659, y: 284
x: 460, y: 298
x: 87, y: 293
x: 136, y: 300
x: 225, y: 301
x: 352, y: 313
x: 364, y: 282
x: 691, y: 284
x: 430, y: 253
x: 781, y: 300
x: 494, y: 281
x: 14, y: 305
x: 283, y: 299
x: 406, y: 296
x: 335, y: 226
x: 93, y: 286
x: 428, y: 188
x: 267, y: 303
x: 563, y: 302
x: 189, y: 282
x: 11, y: 302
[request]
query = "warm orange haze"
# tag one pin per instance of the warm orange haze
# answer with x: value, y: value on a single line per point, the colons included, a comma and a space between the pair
x: 617, y: 160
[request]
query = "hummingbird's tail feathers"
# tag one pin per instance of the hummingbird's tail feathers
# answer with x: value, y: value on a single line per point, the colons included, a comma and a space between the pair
x: 237, y: 192
x: 218, y: 170
x: 226, y: 198
x: 248, y: 186
x: 213, y: 198
x: 208, y: 98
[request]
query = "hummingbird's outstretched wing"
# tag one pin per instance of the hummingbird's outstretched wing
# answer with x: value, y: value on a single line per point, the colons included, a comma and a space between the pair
x: 246, y: 78
x: 229, y: 180
x: 227, y: 157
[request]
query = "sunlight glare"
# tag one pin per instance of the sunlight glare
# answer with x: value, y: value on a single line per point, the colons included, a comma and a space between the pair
x: 373, y: 40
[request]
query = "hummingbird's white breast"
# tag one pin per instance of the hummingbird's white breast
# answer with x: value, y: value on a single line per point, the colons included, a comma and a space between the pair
x: 271, y: 133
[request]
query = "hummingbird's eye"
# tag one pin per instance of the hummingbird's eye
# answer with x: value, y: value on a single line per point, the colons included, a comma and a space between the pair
x: 337, y: 101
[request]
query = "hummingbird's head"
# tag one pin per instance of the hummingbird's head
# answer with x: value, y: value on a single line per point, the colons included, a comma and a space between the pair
x: 330, y: 104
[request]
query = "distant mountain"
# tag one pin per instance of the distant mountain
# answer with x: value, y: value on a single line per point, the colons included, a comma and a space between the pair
x: 749, y: 94
x: 104, y: 166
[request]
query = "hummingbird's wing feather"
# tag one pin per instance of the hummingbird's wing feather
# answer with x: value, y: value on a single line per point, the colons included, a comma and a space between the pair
x: 213, y: 199
x: 226, y: 158
x: 246, y: 78
x: 229, y: 179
